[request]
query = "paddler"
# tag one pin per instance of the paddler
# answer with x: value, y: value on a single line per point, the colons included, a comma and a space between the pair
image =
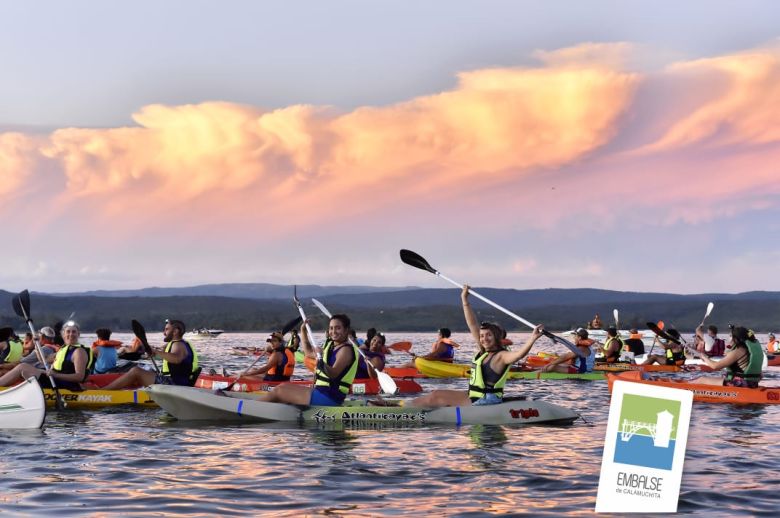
x: 375, y: 355
x: 11, y: 351
x: 105, y: 350
x: 179, y: 367
x: 491, y: 365
x: 281, y: 360
x: 674, y: 353
x: 772, y: 346
x: 596, y: 322
x: 443, y: 350
x: 612, y: 346
x: 294, y: 342
x: 571, y: 363
x: 69, y: 367
x: 634, y: 343
x: 711, y: 345
x: 743, y: 363
x: 334, y: 373
x: 132, y: 352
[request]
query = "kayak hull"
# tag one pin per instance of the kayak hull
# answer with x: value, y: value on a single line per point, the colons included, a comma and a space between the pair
x: 434, y: 369
x: 359, y: 386
x: 96, y: 398
x: 22, y: 406
x: 189, y: 403
x: 706, y: 393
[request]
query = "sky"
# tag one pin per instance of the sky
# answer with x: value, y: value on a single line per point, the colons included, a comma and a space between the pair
x: 618, y: 145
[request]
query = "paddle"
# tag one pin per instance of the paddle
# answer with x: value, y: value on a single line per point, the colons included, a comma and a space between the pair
x: 140, y: 332
x: 617, y: 320
x: 306, y: 323
x: 710, y: 306
x: 21, y: 305
x: 401, y: 346
x: 289, y: 326
x: 666, y: 336
x: 660, y: 325
x: 417, y: 261
x: 385, y: 381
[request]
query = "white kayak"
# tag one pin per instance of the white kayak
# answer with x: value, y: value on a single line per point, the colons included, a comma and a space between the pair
x: 189, y: 403
x: 22, y: 406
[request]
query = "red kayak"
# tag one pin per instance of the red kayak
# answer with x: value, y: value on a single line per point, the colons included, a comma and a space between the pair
x: 773, y: 360
x: 359, y: 386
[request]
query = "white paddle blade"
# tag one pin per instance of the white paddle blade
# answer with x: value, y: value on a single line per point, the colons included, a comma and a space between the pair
x: 386, y: 382
x: 322, y: 308
x: 615, y: 314
x: 710, y: 307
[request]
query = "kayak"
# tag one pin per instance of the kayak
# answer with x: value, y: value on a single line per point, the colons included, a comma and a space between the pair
x: 22, y: 406
x: 622, y: 367
x: 706, y: 393
x: 359, y: 386
x: 97, y: 398
x: 434, y: 369
x: 538, y: 375
x: 190, y: 403
x: 773, y: 360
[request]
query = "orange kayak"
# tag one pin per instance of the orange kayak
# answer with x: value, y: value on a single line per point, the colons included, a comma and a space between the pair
x: 773, y: 360
x: 623, y: 367
x: 705, y: 393
x: 359, y: 386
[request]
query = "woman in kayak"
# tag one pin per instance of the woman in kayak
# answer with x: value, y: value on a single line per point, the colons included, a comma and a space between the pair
x: 334, y: 373
x: 674, y: 353
x: 375, y: 355
x: 571, y: 363
x: 491, y: 365
x: 743, y: 363
x: 69, y: 367
x: 443, y: 350
x: 281, y: 361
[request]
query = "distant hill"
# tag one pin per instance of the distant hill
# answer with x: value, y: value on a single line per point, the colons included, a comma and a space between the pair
x: 236, y: 290
x: 397, y: 309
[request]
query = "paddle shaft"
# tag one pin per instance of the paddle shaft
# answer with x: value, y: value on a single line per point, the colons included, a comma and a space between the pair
x: 308, y: 330
x: 59, y: 401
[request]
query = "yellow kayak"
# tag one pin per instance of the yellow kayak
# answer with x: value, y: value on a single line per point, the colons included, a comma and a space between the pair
x: 99, y: 398
x: 434, y: 369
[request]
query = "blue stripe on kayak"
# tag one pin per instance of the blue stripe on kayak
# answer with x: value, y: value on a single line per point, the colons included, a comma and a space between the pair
x: 458, y: 420
x: 135, y: 397
x: 240, y: 406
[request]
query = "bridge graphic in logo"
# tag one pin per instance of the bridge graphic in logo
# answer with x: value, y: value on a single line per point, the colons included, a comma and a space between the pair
x: 647, y: 432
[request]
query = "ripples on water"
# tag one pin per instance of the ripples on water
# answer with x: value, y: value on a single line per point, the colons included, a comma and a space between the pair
x: 141, y: 462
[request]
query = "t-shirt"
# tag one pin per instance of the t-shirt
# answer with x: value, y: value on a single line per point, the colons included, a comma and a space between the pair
x: 32, y: 358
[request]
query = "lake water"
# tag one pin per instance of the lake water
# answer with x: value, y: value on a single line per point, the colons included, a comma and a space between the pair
x: 143, y: 463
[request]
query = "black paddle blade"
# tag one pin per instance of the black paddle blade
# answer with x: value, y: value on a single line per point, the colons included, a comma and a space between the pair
x: 416, y: 260
x: 21, y: 304
x: 140, y: 332
x: 292, y: 324
x: 5, y: 332
x: 652, y: 326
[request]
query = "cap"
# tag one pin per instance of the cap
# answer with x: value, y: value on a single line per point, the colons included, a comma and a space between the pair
x: 582, y: 333
x: 272, y: 336
x: 47, y: 332
x: 771, y: 334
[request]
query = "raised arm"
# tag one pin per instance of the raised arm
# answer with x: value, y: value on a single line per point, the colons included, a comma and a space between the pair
x: 471, y: 318
x: 510, y: 357
x: 308, y: 349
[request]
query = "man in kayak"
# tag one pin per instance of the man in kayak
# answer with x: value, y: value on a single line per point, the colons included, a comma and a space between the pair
x: 491, y: 365
x: 335, y: 370
x: 743, y: 363
x: 612, y: 346
x: 595, y: 323
x: 443, y: 350
x: 571, y: 363
x: 69, y: 367
x: 674, y: 354
x: 281, y: 361
x: 179, y: 367
x: 375, y: 356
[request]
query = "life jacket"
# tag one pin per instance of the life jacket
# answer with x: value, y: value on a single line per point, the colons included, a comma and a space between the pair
x: 63, y: 362
x: 13, y: 351
x: 608, y: 344
x: 291, y: 344
x: 772, y: 346
x: 755, y: 364
x: 448, y: 354
x: 362, y: 372
x: 480, y: 384
x: 106, y: 343
x: 286, y: 366
x: 186, y: 372
x: 587, y: 363
x: 718, y: 347
x: 343, y: 382
x: 674, y: 357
